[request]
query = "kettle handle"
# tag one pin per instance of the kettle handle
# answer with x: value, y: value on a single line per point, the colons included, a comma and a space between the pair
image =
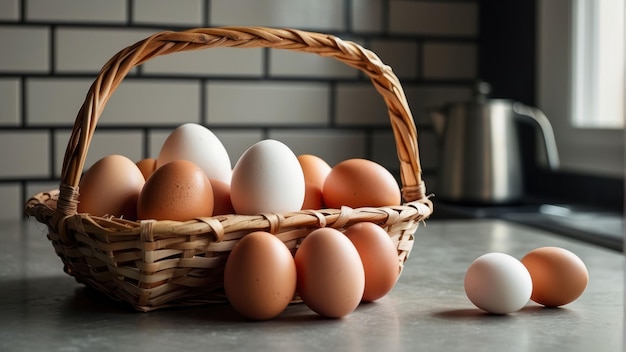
x: 546, y: 129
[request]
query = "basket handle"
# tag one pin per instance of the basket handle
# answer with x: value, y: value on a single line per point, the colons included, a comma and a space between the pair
x: 114, y: 71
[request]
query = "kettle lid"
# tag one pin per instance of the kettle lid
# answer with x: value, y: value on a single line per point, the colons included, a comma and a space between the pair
x: 482, y: 90
x: 480, y: 98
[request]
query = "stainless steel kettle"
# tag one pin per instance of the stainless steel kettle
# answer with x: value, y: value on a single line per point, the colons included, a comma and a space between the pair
x: 480, y: 158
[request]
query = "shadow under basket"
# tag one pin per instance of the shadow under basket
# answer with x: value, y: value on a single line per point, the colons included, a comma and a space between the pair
x: 156, y: 264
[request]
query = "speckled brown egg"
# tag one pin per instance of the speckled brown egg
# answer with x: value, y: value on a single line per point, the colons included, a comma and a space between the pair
x: 178, y: 190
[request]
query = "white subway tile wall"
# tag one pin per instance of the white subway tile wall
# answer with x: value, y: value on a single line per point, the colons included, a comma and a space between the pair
x: 10, y: 193
x: 333, y: 145
x: 441, y: 18
x: 10, y: 10
x: 53, y: 100
x: 168, y: 12
x: 359, y: 104
x: 153, y: 102
x: 124, y: 142
x: 52, y: 51
x: 9, y: 102
x: 441, y: 60
x: 25, y: 49
x: 321, y: 15
x: 217, y: 62
x: 297, y: 64
x: 18, y: 157
x: 79, y: 11
x: 366, y: 16
x: 247, y: 103
x: 401, y: 55
x: 86, y: 50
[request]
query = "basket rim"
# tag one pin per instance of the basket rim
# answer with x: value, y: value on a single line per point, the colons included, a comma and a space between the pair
x: 43, y: 206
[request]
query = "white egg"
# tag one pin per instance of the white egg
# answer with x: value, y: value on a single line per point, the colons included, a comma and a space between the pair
x: 498, y: 283
x: 267, y: 178
x: 196, y: 143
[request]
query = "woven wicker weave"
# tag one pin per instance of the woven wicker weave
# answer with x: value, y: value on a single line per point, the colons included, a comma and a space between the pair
x: 156, y: 264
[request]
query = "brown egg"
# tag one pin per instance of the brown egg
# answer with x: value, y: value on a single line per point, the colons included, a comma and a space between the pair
x: 221, y: 196
x: 558, y: 275
x: 178, y: 190
x: 360, y: 183
x: 111, y: 186
x: 379, y: 256
x: 260, y: 276
x: 330, y: 273
x: 147, y: 166
x: 315, y: 170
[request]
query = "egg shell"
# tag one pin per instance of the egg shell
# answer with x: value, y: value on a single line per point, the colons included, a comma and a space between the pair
x: 221, y: 198
x: 559, y: 276
x: 267, y: 178
x: 178, y: 190
x: 198, y: 144
x: 315, y: 170
x: 111, y: 186
x: 379, y: 256
x: 360, y: 183
x: 260, y: 276
x: 331, y: 278
x: 498, y: 283
x: 147, y: 166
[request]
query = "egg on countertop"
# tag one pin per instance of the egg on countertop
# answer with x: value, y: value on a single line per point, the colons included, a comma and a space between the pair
x: 267, y: 178
x: 559, y: 276
x: 178, y: 190
x: 111, y: 186
x: 198, y: 144
x: 260, y: 276
x: 498, y: 283
x: 331, y: 278
x: 379, y: 256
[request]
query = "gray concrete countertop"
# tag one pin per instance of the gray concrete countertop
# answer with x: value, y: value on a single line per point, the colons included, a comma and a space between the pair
x: 43, y: 309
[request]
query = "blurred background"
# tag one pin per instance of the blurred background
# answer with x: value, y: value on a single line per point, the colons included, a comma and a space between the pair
x: 53, y: 49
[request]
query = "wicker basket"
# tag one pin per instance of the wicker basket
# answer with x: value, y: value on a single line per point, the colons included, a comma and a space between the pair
x: 157, y: 264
